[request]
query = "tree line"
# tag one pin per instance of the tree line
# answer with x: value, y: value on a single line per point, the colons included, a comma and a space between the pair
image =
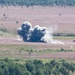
x: 36, y: 67
x: 38, y: 2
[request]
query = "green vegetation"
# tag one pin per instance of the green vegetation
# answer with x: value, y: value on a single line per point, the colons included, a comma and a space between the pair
x: 36, y: 67
x: 37, y: 2
x: 17, y: 52
x: 64, y: 34
x: 3, y: 30
x: 29, y: 49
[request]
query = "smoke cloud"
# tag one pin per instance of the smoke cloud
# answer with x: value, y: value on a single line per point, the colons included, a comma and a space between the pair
x: 30, y: 34
x: 36, y: 34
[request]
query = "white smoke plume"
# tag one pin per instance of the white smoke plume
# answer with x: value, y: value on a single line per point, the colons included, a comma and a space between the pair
x: 36, y: 34
x: 19, y: 38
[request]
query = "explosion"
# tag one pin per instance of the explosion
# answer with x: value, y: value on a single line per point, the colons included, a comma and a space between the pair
x: 30, y: 34
x: 36, y: 34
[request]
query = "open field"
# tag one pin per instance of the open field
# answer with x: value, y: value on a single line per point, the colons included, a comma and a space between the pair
x: 19, y: 49
x: 62, y: 20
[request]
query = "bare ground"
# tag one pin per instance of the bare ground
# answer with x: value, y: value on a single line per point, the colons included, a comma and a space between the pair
x: 38, y: 46
x: 60, y: 19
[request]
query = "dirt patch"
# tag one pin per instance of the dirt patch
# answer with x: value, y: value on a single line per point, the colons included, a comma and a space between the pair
x: 61, y: 19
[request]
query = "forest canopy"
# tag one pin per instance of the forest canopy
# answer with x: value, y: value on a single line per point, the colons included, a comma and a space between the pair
x: 37, y: 2
x: 36, y: 67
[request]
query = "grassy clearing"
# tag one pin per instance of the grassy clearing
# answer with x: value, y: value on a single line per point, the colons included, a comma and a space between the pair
x: 21, y: 53
x: 4, y: 33
x: 16, y: 53
x: 24, y: 48
x: 64, y: 38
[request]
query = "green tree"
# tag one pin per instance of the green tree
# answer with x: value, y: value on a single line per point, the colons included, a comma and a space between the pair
x: 53, y: 63
x: 37, y: 2
x: 38, y: 64
x: 30, y: 66
x: 27, y: 73
x: 56, y: 72
x: 48, y: 69
x: 72, y: 67
x: 11, y: 67
x: 64, y: 71
x: 1, y: 71
x: 39, y: 72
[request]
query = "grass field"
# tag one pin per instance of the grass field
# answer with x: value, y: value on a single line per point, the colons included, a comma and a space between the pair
x: 61, y: 20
